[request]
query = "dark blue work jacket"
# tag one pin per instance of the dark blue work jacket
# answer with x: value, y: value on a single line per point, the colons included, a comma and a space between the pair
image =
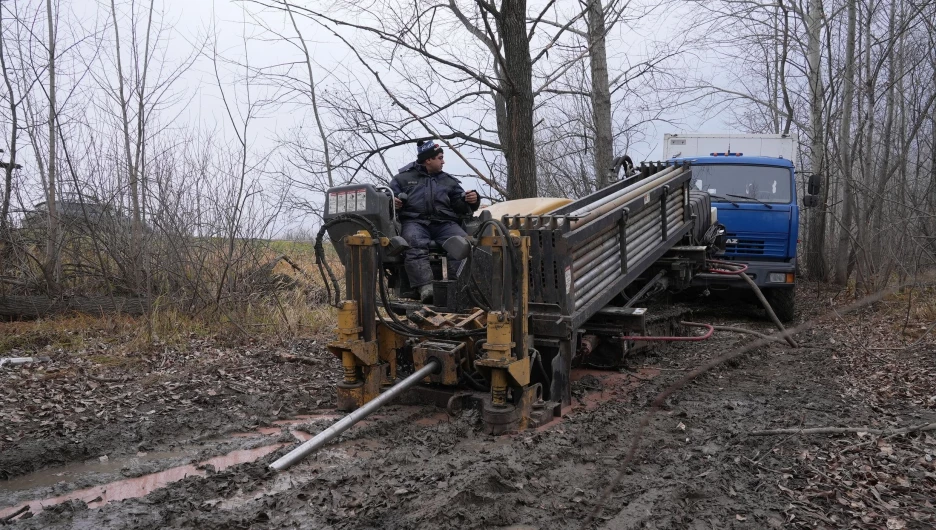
x: 438, y: 197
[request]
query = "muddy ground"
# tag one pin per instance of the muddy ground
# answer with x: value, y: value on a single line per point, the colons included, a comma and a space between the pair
x: 89, y: 418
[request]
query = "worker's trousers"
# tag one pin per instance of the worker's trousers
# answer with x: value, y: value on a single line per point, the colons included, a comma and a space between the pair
x: 419, y: 234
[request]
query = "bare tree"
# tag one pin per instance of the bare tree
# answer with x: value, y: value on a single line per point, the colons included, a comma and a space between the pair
x: 594, y: 110
x: 816, y: 264
x: 845, y: 147
x: 51, y: 266
x: 499, y: 36
x: 14, y: 103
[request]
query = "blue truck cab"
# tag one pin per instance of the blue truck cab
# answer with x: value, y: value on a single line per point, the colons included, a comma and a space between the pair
x: 756, y: 201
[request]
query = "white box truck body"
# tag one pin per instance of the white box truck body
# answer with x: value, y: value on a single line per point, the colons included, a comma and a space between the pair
x: 687, y: 145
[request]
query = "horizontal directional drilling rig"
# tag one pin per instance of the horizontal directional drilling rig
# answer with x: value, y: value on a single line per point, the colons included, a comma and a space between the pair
x: 542, y: 280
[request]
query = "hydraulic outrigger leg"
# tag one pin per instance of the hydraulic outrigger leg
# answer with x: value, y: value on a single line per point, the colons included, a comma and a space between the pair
x: 507, y: 361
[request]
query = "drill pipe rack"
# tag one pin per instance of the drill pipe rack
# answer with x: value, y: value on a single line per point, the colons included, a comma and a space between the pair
x: 587, y: 252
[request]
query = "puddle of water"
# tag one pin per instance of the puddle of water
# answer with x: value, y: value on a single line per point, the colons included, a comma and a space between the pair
x: 138, y: 487
x: 71, y: 472
x: 98, y: 496
x: 302, y: 436
x: 307, y: 418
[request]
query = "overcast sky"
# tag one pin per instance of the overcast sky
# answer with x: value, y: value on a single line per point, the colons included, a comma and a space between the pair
x: 194, y: 18
x: 190, y: 23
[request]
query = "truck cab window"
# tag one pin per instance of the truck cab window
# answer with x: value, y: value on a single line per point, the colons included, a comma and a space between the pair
x: 759, y: 183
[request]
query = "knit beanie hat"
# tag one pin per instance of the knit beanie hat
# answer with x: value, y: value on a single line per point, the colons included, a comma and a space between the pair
x: 427, y: 150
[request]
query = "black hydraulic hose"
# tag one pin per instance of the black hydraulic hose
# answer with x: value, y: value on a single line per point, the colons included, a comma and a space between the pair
x: 469, y: 380
x: 514, y: 257
x: 472, y: 286
x: 539, y: 361
x: 320, y: 250
x: 738, y: 269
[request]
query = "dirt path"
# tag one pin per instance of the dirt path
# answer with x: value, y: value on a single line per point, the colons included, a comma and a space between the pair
x: 412, y: 467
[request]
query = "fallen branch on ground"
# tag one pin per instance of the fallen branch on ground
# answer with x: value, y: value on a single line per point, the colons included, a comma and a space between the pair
x: 844, y: 430
x: 14, y: 515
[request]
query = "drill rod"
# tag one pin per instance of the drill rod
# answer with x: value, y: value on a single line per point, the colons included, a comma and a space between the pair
x: 322, y: 438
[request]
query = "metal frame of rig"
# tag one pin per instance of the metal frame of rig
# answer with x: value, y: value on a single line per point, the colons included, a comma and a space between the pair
x: 534, y: 290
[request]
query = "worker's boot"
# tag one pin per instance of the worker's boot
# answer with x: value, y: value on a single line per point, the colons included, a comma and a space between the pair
x: 425, y: 293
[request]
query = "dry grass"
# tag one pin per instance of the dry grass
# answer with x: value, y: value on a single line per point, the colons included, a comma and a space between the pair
x: 911, y: 311
x: 68, y: 332
x: 293, y: 304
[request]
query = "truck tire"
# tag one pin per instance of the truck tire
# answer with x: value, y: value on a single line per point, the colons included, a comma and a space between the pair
x: 783, y: 302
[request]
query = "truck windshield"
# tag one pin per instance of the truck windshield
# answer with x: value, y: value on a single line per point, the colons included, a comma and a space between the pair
x: 744, y: 183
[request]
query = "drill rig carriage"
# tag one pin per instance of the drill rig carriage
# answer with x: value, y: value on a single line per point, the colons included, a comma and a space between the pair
x: 536, y: 280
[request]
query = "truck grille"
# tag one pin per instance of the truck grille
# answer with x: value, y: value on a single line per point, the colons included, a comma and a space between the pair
x: 763, y: 245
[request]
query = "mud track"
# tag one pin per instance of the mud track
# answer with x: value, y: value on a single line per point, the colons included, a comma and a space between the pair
x: 414, y: 467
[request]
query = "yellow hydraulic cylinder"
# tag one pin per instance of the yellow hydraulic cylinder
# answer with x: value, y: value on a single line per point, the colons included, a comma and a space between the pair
x: 348, y: 327
x: 498, y: 387
x: 348, y: 330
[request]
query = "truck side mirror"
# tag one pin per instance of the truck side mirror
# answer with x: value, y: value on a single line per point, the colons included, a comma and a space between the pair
x: 814, y: 186
x: 810, y: 201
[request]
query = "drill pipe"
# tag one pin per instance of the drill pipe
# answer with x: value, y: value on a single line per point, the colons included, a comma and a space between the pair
x: 610, y: 267
x: 639, y: 254
x: 612, y: 255
x: 580, y: 265
x: 598, y: 283
x: 322, y: 438
x: 653, y: 219
x: 593, y: 242
x: 589, y: 266
x: 586, y: 253
x: 650, y: 237
x: 637, y: 249
x: 634, y: 225
x: 597, y: 290
x: 628, y: 190
x: 637, y: 222
x: 672, y: 218
x: 606, y: 204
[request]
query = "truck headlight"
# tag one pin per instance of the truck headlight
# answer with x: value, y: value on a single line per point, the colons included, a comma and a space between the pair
x: 776, y: 277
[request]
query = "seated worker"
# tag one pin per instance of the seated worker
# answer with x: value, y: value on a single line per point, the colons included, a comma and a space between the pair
x: 429, y: 203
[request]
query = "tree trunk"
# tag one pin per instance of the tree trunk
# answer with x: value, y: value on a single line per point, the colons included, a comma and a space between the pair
x: 52, y: 262
x: 875, y: 207
x: 519, y: 149
x: 868, y: 156
x: 782, y: 77
x: 815, y: 256
x: 11, y: 163
x: 132, y: 175
x: 844, y: 142
x: 603, y: 150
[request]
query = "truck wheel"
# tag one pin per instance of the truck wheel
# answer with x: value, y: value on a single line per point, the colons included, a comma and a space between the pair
x: 783, y: 302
